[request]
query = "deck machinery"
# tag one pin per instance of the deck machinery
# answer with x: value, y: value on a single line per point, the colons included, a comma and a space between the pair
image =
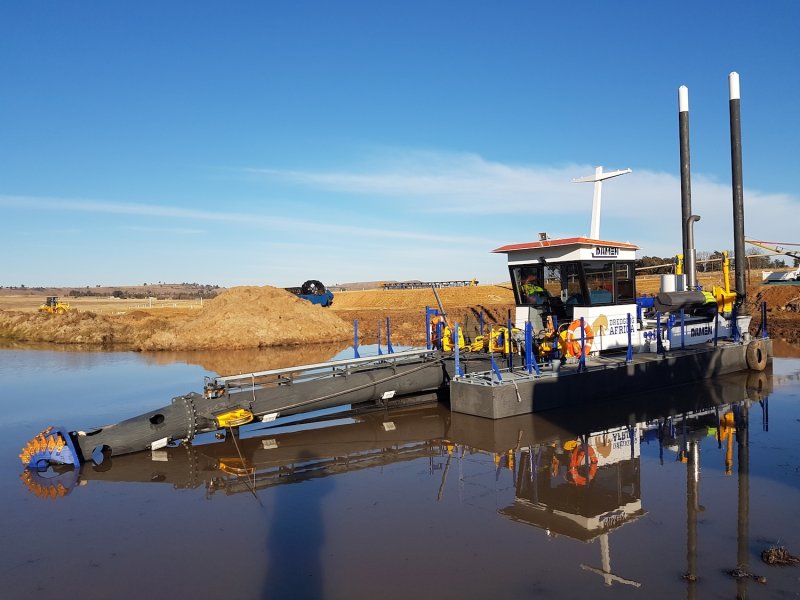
x: 586, y: 337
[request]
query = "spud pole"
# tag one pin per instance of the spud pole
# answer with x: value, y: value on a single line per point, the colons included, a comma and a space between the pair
x: 738, y: 188
x: 686, y: 189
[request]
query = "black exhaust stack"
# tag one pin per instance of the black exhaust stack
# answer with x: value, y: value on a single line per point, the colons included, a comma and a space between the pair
x: 687, y: 219
x: 738, y: 190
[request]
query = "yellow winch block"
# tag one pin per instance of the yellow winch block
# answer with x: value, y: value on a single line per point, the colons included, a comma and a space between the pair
x: 499, y: 339
x: 234, y: 418
x: 447, y: 338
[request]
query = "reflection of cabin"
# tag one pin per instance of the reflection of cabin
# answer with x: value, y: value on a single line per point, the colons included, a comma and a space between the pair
x: 609, y: 498
x: 575, y: 274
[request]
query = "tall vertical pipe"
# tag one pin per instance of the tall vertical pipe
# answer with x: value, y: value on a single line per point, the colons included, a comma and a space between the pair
x: 692, y: 512
x: 743, y: 512
x: 686, y: 189
x: 738, y: 189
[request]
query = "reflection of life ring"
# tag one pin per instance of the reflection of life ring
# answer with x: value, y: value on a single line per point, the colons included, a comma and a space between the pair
x: 578, y: 460
x: 756, y: 355
x: 573, y: 338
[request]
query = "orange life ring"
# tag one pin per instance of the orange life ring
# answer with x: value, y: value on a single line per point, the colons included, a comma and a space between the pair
x: 573, y: 338
x: 578, y: 460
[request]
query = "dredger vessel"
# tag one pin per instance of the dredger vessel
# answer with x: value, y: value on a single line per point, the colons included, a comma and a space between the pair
x: 581, y: 335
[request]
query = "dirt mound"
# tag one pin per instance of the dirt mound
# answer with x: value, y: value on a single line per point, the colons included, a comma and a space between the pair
x: 244, y: 317
x: 72, y: 328
x: 488, y: 295
x: 406, y: 309
x: 783, y: 318
x: 776, y: 295
x: 252, y: 317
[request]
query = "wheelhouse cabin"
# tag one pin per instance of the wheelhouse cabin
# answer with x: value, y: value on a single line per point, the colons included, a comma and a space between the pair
x: 570, y: 278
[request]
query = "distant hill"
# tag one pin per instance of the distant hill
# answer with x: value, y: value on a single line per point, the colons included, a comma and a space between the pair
x: 357, y: 285
x: 174, y: 291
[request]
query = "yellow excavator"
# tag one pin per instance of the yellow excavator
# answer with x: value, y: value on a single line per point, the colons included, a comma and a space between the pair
x: 53, y: 306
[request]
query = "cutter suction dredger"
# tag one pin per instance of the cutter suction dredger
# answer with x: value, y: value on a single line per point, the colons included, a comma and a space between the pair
x: 398, y: 379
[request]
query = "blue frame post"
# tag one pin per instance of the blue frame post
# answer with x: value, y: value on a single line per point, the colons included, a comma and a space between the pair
x: 428, y: 327
x: 582, y: 359
x: 629, y: 355
x: 528, y: 344
x: 494, y: 368
x: 355, y: 339
x: 389, y: 348
x: 764, y: 333
x: 432, y: 312
x: 529, y: 357
x: 659, y: 345
x: 379, y: 339
x: 683, y: 328
x: 716, y: 329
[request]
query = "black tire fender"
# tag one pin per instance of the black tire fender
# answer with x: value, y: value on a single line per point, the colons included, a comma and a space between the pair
x: 756, y: 355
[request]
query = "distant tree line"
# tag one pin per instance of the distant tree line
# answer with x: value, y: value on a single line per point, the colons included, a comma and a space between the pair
x: 194, y: 291
x: 707, y: 262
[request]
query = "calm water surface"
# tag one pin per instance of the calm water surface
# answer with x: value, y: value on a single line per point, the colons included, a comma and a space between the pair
x: 414, y: 503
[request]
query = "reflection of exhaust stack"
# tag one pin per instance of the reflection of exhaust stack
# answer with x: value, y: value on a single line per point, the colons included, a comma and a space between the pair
x: 738, y: 191
x: 687, y: 219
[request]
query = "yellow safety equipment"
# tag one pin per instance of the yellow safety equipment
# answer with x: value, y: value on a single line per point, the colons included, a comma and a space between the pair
x: 499, y: 339
x: 234, y: 418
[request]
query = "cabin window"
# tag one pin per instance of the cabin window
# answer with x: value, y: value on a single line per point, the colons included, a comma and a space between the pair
x: 626, y: 283
x: 528, y: 284
x: 552, y: 280
x: 571, y: 282
x: 599, y: 282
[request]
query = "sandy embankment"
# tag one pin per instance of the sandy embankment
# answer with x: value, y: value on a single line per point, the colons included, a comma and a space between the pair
x: 406, y: 310
x: 260, y: 317
x: 243, y: 317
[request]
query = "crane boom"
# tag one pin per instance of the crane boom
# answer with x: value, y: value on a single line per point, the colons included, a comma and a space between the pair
x: 776, y: 248
x: 779, y: 277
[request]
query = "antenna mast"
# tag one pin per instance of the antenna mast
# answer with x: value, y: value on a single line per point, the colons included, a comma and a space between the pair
x: 597, y: 179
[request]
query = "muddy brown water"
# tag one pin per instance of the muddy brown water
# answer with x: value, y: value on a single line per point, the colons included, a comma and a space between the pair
x: 688, y: 484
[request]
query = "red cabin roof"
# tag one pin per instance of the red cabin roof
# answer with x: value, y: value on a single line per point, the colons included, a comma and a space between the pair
x: 573, y: 241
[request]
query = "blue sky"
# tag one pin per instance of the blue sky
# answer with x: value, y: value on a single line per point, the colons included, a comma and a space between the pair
x: 265, y: 143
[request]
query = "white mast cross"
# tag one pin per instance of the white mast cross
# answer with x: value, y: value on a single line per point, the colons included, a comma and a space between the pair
x: 597, y: 179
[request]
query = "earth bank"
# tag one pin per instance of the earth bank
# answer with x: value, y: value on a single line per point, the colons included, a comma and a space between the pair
x: 261, y: 317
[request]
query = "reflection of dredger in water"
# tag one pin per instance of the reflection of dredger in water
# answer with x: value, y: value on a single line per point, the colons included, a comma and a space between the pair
x: 345, y: 442
x: 366, y: 438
